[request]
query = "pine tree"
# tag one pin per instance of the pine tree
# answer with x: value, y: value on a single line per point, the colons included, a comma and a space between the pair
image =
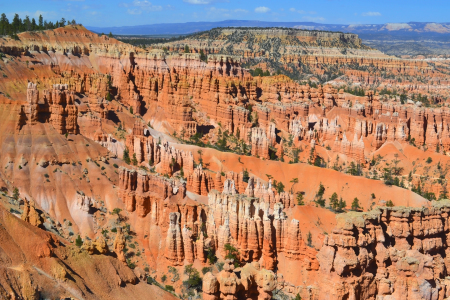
x: 309, y: 239
x: 33, y: 25
x: 16, y: 24
x: 126, y: 156
x: 334, y: 201
x: 79, y: 241
x: 319, y: 196
x: 16, y: 194
x: 4, y: 24
x: 41, y: 22
x: 203, y: 56
x: 444, y: 193
x: 134, y: 160
x: 27, y: 23
x: 355, y: 204
x: 341, y: 205
x: 300, y: 199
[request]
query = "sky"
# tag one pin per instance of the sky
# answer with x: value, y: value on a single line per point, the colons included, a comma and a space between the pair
x: 103, y: 13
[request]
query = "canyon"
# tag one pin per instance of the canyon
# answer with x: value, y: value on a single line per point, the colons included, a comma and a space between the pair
x: 130, y: 169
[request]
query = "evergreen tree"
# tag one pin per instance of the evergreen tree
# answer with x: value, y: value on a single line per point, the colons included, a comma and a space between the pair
x: 79, y: 241
x: 110, y: 34
x: 300, y: 199
x: 41, y: 22
x: 334, y: 201
x: 319, y: 196
x: 444, y: 193
x: 16, y: 194
x: 134, y: 160
x: 341, y: 205
x: 355, y: 204
x: 203, y: 56
x: 4, y: 24
x: 279, y: 187
x: 27, y: 23
x: 16, y: 24
x: 309, y: 239
x: 126, y: 156
x: 33, y: 25
x: 186, y: 49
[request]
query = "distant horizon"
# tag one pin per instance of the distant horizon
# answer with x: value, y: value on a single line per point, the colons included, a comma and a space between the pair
x: 244, y: 20
x: 118, y: 13
x: 406, y: 28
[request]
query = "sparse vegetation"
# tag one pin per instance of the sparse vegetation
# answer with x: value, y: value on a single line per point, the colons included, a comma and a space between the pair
x: 355, y: 204
x: 309, y: 239
x: 79, y: 241
x: 126, y: 156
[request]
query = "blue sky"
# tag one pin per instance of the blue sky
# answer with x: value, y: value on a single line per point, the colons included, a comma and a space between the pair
x: 139, y: 12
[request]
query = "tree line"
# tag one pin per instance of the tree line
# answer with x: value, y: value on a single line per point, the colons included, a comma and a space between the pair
x: 18, y: 25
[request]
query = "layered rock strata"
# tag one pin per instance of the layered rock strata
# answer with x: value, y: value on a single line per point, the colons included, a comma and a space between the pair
x: 57, y: 107
x: 253, y: 282
x: 398, y: 253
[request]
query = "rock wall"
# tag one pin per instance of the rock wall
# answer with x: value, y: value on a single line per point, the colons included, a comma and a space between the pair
x: 165, y: 88
x: 387, y: 253
x: 253, y: 282
x: 253, y: 222
x: 57, y: 108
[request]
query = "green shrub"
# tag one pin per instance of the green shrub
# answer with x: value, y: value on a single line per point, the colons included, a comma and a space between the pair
x: 79, y: 241
x: 169, y: 288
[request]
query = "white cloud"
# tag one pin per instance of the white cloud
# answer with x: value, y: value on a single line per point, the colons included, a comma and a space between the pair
x: 262, y: 9
x: 198, y: 1
x: 313, y: 19
x: 146, y: 5
x: 297, y: 11
x: 224, y: 12
x: 371, y: 14
x: 139, y: 6
x: 134, y: 11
